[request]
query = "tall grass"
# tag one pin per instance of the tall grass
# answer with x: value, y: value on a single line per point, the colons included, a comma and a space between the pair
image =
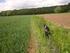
x: 60, y: 38
x: 14, y: 34
x: 38, y: 30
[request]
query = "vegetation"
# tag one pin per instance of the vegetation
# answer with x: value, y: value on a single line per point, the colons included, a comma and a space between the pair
x: 59, y: 41
x: 53, y: 9
x: 15, y: 32
x: 58, y: 10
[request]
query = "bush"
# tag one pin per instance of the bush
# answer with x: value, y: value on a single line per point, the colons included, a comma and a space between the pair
x: 58, y: 10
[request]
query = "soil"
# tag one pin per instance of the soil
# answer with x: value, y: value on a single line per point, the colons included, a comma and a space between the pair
x: 62, y: 19
x: 33, y: 45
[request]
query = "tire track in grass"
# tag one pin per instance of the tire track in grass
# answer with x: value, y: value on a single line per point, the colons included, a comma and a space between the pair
x: 33, y: 45
x: 38, y: 43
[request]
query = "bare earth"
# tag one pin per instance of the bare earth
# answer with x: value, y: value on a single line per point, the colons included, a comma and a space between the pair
x: 62, y: 19
x: 32, y: 45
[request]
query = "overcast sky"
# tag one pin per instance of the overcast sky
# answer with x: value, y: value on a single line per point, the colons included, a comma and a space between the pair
x: 18, y: 4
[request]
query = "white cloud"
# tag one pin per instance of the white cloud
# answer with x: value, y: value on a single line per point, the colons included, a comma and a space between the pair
x: 17, y: 4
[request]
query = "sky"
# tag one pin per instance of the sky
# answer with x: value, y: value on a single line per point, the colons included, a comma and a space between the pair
x: 19, y: 4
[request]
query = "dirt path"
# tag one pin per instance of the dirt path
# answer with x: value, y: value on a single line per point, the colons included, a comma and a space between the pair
x: 60, y: 19
x: 32, y: 45
x: 33, y: 42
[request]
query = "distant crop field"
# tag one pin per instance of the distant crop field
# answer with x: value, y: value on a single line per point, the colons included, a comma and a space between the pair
x: 25, y: 34
x: 62, y: 19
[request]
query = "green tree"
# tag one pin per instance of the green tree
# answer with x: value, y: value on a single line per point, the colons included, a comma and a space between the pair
x: 8, y: 13
x: 58, y: 9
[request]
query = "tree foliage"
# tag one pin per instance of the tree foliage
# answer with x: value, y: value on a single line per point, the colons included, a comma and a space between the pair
x: 58, y: 9
x: 43, y: 10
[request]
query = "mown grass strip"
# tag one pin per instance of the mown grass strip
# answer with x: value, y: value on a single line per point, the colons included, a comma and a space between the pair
x: 37, y: 25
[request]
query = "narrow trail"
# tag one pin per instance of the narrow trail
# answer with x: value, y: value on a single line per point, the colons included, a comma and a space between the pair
x: 33, y: 42
x: 37, y: 43
x: 32, y: 45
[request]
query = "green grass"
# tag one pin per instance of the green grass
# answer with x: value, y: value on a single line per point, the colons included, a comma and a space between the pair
x: 60, y: 39
x: 38, y: 26
x: 15, y: 33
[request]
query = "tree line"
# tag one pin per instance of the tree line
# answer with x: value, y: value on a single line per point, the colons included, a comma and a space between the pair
x: 43, y: 10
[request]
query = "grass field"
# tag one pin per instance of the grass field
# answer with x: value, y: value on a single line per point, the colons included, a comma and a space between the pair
x: 14, y: 34
x: 18, y: 32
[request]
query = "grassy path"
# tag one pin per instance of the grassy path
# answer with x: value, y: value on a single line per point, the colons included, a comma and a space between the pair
x: 38, y: 42
x: 33, y: 44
